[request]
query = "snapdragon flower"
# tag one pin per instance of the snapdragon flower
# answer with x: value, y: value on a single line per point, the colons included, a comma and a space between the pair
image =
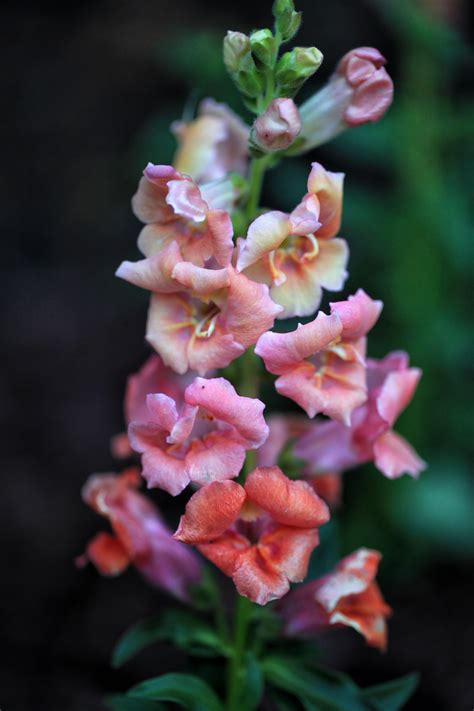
x: 260, y: 534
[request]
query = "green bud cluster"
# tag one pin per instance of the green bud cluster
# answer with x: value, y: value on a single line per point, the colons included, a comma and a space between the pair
x: 253, y: 64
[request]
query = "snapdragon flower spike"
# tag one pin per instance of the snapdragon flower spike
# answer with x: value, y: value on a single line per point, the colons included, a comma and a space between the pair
x: 176, y: 209
x: 260, y: 534
x: 213, y: 145
x: 360, y: 91
x: 348, y: 596
x: 139, y: 536
x: 277, y: 127
x: 333, y: 447
x: 322, y: 364
x: 298, y: 255
x: 201, y: 439
x: 284, y: 430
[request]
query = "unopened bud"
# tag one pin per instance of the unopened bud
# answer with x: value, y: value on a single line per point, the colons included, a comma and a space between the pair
x: 295, y: 67
x: 236, y: 51
x: 263, y: 46
x: 287, y: 21
x: 277, y: 127
x: 360, y: 91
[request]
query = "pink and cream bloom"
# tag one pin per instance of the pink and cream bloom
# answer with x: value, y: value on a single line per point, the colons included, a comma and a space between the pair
x: 261, y: 534
x: 139, y: 537
x: 176, y: 210
x: 331, y: 446
x: 346, y: 597
x: 201, y: 437
x: 152, y: 377
x: 277, y: 127
x: 213, y: 144
x: 297, y: 255
x: 321, y: 365
x: 360, y: 91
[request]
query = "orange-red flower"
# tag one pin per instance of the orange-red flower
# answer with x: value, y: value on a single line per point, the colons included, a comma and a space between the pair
x: 260, y: 534
x: 348, y: 596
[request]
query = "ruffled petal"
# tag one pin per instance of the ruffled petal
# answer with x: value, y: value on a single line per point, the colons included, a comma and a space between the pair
x: 265, y: 234
x: 328, y: 189
x: 393, y: 456
x: 225, y: 551
x: 169, y: 329
x: 358, y: 314
x: 220, y: 398
x: 107, y: 554
x: 199, y: 279
x: 221, y: 232
x: 328, y: 447
x: 210, y: 511
x: 162, y: 410
x: 249, y: 310
x: 149, y: 203
x: 396, y: 393
x: 291, y: 503
x: 216, y: 457
x: 258, y: 580
x: 163, y: 471
x: 154, y: 273
x: 283, y: 351
x: 288, y: 551
x: 216, y: 351
x: 185, y: 198
x: 330, y: 264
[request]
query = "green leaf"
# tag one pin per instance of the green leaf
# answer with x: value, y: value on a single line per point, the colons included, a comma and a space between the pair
x: 252, y: 684
x: 318, y: 689
x: 187, y: 690
x: 392, y: 695
x: 120, y: 702
x: 180, y: 627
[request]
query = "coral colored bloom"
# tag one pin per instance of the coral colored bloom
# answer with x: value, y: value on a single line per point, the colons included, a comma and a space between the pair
x: 203, y: 438
x: 175, y: 209
x: 297, y: 255
x: 278, y: 126
x: 152, y: 377
x: 213, y: 144
x: 322, y: 364
x: 360, y: 91
x: 139, y: 536
x: 260, y: 534
x: 333, y: 447
x: 284, y: 430
x: 348, y: 596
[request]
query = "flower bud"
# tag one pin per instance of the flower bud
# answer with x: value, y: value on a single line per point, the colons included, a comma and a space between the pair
x: 360, y: 91
x: 295, y: 67
x: 263, y: 46
x: 236, y: 51
x: 287, y: 21
x: 277, y: 127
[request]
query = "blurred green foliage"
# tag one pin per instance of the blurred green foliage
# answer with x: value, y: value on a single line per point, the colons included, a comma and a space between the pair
x: 407, y: 218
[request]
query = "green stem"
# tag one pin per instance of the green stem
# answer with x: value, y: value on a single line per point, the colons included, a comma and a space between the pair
x: 243, y: 610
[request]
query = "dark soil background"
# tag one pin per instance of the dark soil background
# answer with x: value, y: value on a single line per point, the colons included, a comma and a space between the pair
x: 82, y: 82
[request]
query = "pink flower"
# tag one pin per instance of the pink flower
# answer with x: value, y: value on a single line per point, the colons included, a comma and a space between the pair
x: 359, y: 91
x: 152, y: 377
x: 261, y: 534
x: 201, y: 438
x: 297, y: 255
x: 333, y: 447
x: 175, y: 209
x: 139, y: 536
x: 212, y: 145
x: 348, y: 596
x: 278, y: 126
x: 322, y: 364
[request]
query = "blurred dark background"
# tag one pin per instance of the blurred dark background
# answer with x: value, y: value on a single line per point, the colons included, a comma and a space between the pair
x: 90, y: 89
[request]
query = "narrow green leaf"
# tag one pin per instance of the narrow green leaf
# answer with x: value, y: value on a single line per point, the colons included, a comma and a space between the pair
x: 318, y: 689
x: 187, y: 690
x: 120, y: 702
x: 392, y: 695
x: 181, y: 627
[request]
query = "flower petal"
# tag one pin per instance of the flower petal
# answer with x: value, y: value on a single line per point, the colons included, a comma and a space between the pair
x: 148, y: 203
x: 393, y: 456
x: 162, y: 471
x: 358, y: 314
x: 220, y: 398
x: 210, y: 511
x: 225, y: 550
x: 185, y: 198
x: 258, y: 580
x: 265, y: 234
x: 288, y: 551
x: 199, y: 279
x: 328, y: 189
x: 168, y: 329
x: 216, y: 457
x: 221, y: 231
x: 283, y: 351
x: 107, y: 554
x: 154, y: 273
x: 396, y: 393
x: 291, y: 503
x: 249, y: 310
